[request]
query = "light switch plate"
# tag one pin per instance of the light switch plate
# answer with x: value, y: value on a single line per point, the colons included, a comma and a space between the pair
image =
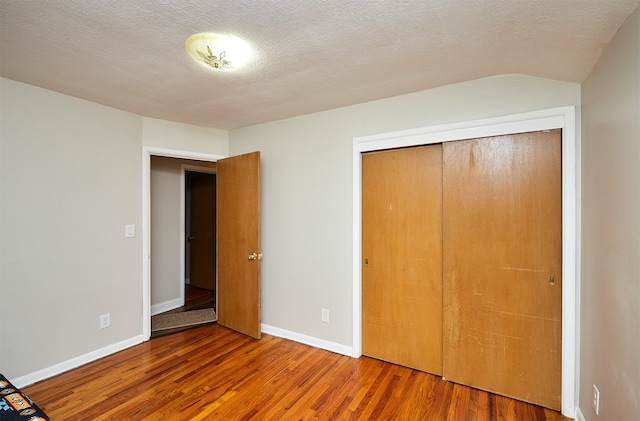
x: 129, y: 230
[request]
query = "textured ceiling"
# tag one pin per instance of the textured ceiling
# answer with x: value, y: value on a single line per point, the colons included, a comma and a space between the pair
x: 309, y: 55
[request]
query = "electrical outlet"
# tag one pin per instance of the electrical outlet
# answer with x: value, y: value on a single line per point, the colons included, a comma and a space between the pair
x: 105, y: 320
x: 325, y: 315
x: 595, y: 403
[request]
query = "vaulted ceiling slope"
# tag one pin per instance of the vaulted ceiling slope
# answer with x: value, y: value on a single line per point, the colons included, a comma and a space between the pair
x: 310, y: 55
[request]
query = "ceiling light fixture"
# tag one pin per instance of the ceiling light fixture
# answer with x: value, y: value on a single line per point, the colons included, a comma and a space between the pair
x: 220, y: 52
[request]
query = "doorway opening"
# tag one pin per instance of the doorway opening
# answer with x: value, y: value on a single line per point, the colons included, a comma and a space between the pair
x: 175, y: 242
x: 200, y: 254
x: 183, y: 217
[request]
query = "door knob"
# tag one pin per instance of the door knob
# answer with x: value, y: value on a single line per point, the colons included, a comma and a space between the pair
x: 254, y: 256
x: 191, y: 238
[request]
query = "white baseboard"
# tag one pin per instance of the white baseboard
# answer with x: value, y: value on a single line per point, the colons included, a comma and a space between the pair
x: 166, y: 306
x: 308, y: 340
x: 54, y: 370
x: 580, y: 415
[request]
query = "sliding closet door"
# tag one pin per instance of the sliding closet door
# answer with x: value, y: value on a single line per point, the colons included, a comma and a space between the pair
x: 402, y: 256
x: 502, y: 265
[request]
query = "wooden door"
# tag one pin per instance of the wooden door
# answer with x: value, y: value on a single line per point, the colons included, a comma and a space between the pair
x: 239, y: 243
x: 502, y: 265
x: 402, y: 260
x: 202, y: 235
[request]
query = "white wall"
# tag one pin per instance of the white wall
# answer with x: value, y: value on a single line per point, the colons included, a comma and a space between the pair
x: 307, y: 189
x: 166, y: 275
x: 70, y: 181
x: 184, y: 137
x: 610, y: 356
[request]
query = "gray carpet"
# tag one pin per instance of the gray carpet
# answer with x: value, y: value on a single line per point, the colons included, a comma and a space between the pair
x: 186, y: 318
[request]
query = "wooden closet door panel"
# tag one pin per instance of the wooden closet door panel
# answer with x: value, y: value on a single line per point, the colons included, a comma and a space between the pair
x: 402, y: 256
x: 502, y: 243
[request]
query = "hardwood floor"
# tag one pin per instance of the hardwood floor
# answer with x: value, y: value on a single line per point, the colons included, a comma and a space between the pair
x: 196, y: 298
x: 213, y: 373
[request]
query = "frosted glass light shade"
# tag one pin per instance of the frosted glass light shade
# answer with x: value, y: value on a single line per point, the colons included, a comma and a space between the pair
x: 221, y: 52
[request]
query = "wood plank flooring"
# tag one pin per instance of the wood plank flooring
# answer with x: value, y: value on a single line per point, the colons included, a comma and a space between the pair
x: 213, y: 373
x: 196, y: 299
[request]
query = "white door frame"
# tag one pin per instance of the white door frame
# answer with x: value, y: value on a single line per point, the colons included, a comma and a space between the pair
x: 147, y: 152
x: 556, y: 118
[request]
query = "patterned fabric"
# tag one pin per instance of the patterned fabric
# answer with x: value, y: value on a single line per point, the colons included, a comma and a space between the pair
x: 16, y: 406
